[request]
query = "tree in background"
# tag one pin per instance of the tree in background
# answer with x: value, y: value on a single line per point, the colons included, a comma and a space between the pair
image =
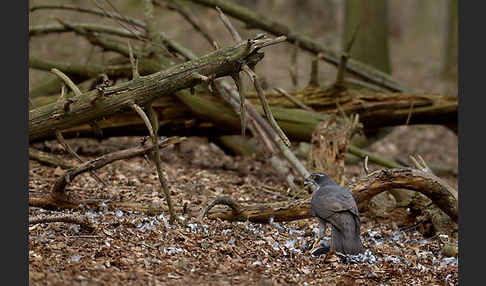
x: 371, y: 44
x: 449, y: 69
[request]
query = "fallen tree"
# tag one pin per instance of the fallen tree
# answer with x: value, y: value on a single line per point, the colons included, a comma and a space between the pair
x: 438, y: 191
x: 94, y: 105
x: 206, y: 114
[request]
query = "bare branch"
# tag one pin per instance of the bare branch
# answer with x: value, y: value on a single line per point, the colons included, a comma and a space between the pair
x: 153, y: 122
x: 266, y: 107
x: 409, y: 113
x: 173, y: 5
x: 227, y: 23
x: 365, y: 165
x: 134, y: 63
x: 389, y: 163
x: 241, y: 90
x: 144, y: 117
x: 68, y: 148
x: 86, y: 10
x: 296, y: 164
x: 68, y: 81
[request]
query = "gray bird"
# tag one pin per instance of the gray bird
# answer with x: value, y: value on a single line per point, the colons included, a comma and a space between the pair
x: 335, y: 205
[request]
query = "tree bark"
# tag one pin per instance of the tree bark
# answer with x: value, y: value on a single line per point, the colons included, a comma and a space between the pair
x: 371, y: 43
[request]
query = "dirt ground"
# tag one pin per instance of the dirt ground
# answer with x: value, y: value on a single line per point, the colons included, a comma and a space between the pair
x: 133, y: 248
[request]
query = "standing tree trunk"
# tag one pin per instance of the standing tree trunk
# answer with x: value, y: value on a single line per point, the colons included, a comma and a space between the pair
x: 371, y: 44
x: 371, y: 47
x: 449, y: 70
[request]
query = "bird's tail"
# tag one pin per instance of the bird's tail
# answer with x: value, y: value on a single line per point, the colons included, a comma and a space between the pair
x: 346, y: 239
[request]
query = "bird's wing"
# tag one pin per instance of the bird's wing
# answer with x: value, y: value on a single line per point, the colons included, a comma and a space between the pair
x: 332, y: 199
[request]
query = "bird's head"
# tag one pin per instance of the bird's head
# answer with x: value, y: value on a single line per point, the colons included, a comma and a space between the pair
x: 317, y: 179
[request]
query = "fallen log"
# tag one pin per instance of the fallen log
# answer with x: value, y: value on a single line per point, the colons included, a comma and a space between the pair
x: 101, y: 103
x: 205, y: 114
x: 366, y: 188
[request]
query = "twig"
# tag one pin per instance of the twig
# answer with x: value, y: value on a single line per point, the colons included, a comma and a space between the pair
x: 63, y: 94
x: 234, y: 33
x: 409, y: 113
x: 293, y: 99
x: 241, y: 90
x: 68, y: 148
x: 134, y: 63
x: 59, y: 186
x: 120, y: 18
x: 83, y: 221
x: 261, y: 129
x: 365, y: 165
x: 133, y: 22
x: 272, y: 191
x: 389, y: 163
x: 68, y: 81
x: 221, y: 88
x: 350, y: 44
x: 152, y: 126
x: 55, y: 28
x: 296, y: 164
x: 173, y: 5
x: 152, y: 33
x: 107, y: 44
x: 420, y: 165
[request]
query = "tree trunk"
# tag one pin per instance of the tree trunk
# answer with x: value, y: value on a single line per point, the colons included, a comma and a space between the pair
x: 449, y: 69
x: 371, y: 44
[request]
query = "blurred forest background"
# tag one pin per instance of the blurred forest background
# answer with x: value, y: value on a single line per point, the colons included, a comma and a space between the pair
x: 419, y: 48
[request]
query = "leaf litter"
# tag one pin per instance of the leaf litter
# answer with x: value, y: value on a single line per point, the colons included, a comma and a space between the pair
x: 133, y: 248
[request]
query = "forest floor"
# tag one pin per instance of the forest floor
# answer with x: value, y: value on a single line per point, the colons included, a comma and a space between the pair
x: 132, y: 248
